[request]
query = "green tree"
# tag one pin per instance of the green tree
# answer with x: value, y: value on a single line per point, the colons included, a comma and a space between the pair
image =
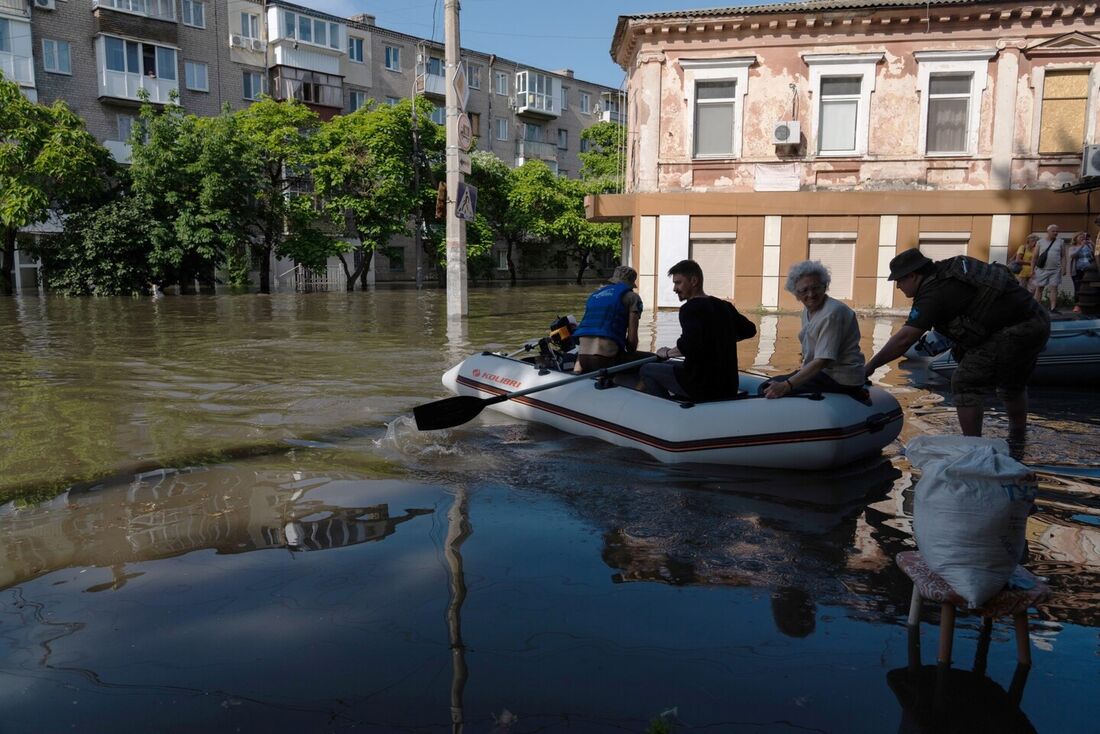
x: 280, y: 136
x: 363, y: 172
x: 602, y: 163
x: 47, y: 161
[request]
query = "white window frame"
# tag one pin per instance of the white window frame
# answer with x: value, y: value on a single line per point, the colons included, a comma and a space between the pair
x: 263, y: 84
x: 586, y: 103
x: 498, y: 77
x: 250, y: 24
x: 51, y: 56
x: 353, y: 96
x: 1038, y: 83
x: 188, y: 19
x: 835, y: 249
x: 393, y: 58
x: 563, y: 139
x: 392, y: 101
x: 187, y: 66
x: 500, y: 125
x: 357, y: 43
x: 735, y: 69
x: 125, y: 122
x: 439, y: 115
x: 564, y: 98
x: 975, y: 63
x: 830, y: 65
x: 473, y: 75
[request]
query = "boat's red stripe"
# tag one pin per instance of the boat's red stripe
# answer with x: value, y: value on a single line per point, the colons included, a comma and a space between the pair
x: 703, y: 444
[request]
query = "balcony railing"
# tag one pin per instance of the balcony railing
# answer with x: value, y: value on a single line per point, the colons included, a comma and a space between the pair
x: 15, y: 7
x: 125, y: 85
x: 159, y: 9
x: 528, y: 149
x: 17, y: 68
x: 433, y: 84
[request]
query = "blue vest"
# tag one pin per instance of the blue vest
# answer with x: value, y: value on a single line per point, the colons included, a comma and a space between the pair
x: 604, y: 314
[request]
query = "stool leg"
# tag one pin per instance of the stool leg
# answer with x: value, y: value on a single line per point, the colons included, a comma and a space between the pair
x: 1023, y: 640
x: 913, y: 627
x: 943, y: 657
x: 1019, y: 679
x: 982, y: 653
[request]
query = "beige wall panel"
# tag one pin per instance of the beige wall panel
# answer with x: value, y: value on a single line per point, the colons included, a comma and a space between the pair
x: 833, y: 224
x: 1018, y: 230
x: 866, y: 267
x: 750, y: 247
x: 946, y: 224
x: 980, y: 233
x: 793, y: 247
x: 908, y: 232
x: 713, y: 224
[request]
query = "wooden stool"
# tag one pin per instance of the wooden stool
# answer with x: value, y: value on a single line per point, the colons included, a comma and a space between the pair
x: 927, y: 584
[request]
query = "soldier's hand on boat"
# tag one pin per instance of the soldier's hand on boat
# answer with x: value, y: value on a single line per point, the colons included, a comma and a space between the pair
x: 662, y: 353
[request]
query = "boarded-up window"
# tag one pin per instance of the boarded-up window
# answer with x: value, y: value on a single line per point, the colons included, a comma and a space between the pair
x: 942, y: 245
x: 716, y: 258
x: 837, y: 252
x: 1062, y: 126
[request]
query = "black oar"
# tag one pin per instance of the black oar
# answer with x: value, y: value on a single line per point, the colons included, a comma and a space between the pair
x: 461, y: 408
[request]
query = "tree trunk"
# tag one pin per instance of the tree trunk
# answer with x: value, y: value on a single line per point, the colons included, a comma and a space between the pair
x: 265, y: 268
x: 350, y: 276
x: 583, y: 266
x: 7, y: 262
x: 511, y: 265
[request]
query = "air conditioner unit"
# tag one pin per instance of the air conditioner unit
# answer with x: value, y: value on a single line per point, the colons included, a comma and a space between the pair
x: 258, y: 44
x: 45, y: 4
x: 786, y: 132
x: 239, y: 41
x: 1090, y: 161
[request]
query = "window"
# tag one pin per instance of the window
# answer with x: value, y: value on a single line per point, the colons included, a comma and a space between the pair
x: 586, y: 102
x: 717, y: 253
x: 397, y: 260
x: 131, y: 57
x: 475, y: 123
x: 435, y: 66
x: 535, y: 91
x: 532, y: 132
x: 391, y: 101
x: 502, y: 260
x: 253, y: 84
x: 837, y: 252
x: 56, y: 57
x: 951, y: 85
x: 439, y: 115
x: 165, y: 63
x: 565, y: 98
x: 163, y: 9
x: 501, y: 81
x: 306, y: 29
x: 5, y: 36
x: 356, y: 100
x: 585, y: 145
x: 842, y: 85
x: 1064, y: 111
x: 473, y: 75
x: 195, y: 76
x: 355, y: 49
x: 126, y: 127
x: 563, y: 138
x: 502, y: 128
x: 838, y: 114
x: 194, y: 13
x: 942, y: 245
x: 948, y: 113
x: 250, y: 25
x: 714, y: 107
x: 393, y: 58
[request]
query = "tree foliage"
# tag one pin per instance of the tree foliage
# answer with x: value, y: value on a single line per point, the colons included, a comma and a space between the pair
x: 47, y: 159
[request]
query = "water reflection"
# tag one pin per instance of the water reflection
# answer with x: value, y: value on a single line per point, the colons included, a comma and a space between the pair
x: 171, y: 513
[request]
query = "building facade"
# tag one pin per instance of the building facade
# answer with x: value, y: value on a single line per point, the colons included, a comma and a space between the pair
x: 101, y: 56
x: 847, y: 131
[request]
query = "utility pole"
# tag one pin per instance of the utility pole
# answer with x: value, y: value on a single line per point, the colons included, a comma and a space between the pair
x: 457, y: 300
x: 418, y: 219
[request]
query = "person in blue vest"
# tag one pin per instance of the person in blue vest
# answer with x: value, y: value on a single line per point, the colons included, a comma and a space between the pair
x: 609, y: 328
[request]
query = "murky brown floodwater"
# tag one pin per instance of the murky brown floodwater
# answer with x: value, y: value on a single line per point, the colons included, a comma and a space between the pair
x: 528, y: 580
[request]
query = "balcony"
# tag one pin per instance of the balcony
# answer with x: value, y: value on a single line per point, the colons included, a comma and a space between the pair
x: 157, y: 9
x: 535, y: 150
x: 537, y: 95
x: 310, y: 87
x: 18, y: 69
x: 611, y: 106
x: 430, y: 79
x: 14, y: 8
x: 125, y: 85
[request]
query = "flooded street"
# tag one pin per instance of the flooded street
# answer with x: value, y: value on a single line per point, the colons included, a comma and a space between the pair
x: 220, y: 517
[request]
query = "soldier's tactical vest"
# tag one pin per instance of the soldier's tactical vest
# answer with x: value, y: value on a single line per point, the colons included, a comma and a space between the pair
x: 991, y: 280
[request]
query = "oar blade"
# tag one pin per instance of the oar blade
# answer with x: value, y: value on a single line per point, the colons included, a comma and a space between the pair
x: 447, y: 413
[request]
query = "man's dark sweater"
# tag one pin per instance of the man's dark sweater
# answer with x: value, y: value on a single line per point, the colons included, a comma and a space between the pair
x: 710, y: 329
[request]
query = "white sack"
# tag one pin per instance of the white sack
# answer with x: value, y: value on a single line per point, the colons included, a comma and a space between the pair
x: 970, y: 511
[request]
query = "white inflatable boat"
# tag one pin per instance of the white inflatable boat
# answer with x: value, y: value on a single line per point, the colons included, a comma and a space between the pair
x: 1071, y: 356
x: 798, y: 432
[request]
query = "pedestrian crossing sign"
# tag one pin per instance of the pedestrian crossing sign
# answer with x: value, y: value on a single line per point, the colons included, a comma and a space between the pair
x: 466, y: 202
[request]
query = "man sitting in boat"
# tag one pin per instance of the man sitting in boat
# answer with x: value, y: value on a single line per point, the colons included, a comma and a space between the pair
x: 997, y: 328
x: 831, y: 360
x: 609, y: 328
x: 711, y: 328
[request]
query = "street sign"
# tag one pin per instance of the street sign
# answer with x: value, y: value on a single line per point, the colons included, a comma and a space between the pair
x: 462, y: 89
x: 466, y: 202
x: 465, y: 133
x: 464, y: 164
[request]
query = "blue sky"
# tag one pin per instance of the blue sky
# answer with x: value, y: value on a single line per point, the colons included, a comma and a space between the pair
x: 574, y: 34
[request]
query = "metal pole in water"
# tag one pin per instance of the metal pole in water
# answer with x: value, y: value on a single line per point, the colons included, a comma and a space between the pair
x: 457, y: 300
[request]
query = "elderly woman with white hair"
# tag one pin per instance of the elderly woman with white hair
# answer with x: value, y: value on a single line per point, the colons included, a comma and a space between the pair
x: 831, y: 360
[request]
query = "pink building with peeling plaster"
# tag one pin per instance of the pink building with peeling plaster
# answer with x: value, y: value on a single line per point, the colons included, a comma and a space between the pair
x: 847, y: 131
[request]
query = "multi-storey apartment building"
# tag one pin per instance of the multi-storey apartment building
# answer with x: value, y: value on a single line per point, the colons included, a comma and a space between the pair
x: 847, y: 131
x: 98, y: 56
